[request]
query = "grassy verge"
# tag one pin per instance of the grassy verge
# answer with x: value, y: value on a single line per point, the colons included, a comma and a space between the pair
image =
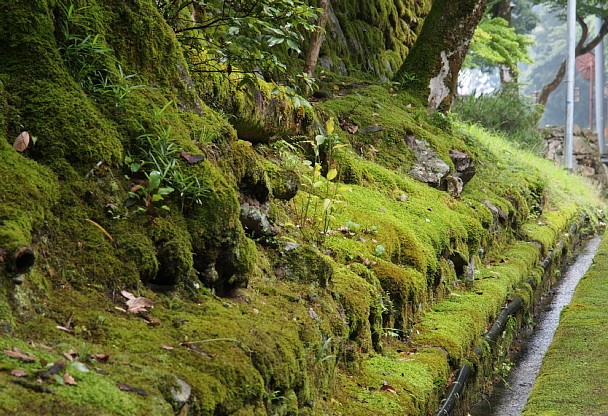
x: 572, y: 377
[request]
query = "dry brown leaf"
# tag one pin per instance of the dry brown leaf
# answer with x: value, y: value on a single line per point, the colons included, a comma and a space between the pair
x: 18, y: 372
x: 19, y: 355
x: 64, y: 329
x: 388, y: 387
x: 70, y: 355
x: 102, y: 358
x: 127, y: 295
x: 191, y: 159
x: 152, y: 321
x: 137, y: 305
x: 69, y: 380
x: 22, y: 141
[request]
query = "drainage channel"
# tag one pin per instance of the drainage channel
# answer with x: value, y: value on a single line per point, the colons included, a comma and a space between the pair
x: 510, y: 400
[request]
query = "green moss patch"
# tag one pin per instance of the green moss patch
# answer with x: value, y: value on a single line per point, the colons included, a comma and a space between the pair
x: 571, y: 377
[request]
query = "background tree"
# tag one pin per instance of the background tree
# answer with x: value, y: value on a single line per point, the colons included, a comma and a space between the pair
x: 586, y: 42
x: 431, y: 68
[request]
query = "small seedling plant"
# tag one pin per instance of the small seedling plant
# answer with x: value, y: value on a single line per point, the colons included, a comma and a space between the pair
x: 148, y: 193
x: 315, y: 214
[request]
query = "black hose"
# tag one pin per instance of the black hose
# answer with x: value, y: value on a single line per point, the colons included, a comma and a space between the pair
x: 500, y: 323
x: 453, y: 393
x: 447, y: 404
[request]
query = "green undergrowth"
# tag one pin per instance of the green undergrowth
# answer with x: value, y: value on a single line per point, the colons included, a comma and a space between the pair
x: 571, y: 377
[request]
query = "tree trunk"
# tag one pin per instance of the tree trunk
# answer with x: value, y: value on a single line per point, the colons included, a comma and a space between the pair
x: 552, y: 85
x: 431, y: 68
x: 317, y: 39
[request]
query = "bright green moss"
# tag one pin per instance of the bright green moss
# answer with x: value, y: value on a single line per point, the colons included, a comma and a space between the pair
x: 575, y: 385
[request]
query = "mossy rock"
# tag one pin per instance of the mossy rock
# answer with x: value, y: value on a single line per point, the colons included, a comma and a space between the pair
x: 305, y: 264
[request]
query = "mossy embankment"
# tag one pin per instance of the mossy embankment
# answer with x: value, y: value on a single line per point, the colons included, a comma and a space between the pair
x: 278, y: 288
x: 571, y: 377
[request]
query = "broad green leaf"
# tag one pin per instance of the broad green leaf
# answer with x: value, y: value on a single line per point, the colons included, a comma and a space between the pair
x: 331, y: 174
x: 329, y: 125
x: 293, y: 45
x: 157, y: 197
x: 317, y: 184
x: 320, y: 139
x: 165, y: 191
x: 154, y: 180
x: 326, y: 204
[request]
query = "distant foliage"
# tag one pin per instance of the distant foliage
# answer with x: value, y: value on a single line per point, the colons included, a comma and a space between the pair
x: 496, y: 43
x: 255, y: 38
x: 506, y: 111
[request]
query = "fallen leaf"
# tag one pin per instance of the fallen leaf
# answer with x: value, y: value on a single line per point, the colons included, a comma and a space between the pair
x: 18, y: 372
x: 126, y: 387
x: 70, y: 355
x: 101, y: 371
x: 192, y: 347
x: 138, y: 305
x: 55, y: 369
x: 191, y: 159
x: 43, y: 346
x: 22, y: 141
x: 69, y: 380
x: 388, y: 387
x: 127, y: 295
x: 166, y: 347
x: 64, y: 329
x: 102, y: 358
x: 152, y: 321
x: 19, y: 355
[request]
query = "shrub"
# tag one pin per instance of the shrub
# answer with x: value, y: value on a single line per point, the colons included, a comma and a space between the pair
x: 504, y: 111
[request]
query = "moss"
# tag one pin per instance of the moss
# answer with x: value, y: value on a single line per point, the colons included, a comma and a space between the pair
x: 50, y: 103
x: 306, y: 264
x: 373, y: 37
x: 361, y: 303
x: 564, y: 386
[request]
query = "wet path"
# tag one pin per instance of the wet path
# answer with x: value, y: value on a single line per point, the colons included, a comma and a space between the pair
x: 510, y: 401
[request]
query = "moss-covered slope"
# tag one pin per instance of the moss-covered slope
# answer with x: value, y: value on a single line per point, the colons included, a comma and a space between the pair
x: 290, y: 274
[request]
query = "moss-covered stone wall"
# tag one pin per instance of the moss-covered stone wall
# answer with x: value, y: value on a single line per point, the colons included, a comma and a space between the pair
x: 371, y: 37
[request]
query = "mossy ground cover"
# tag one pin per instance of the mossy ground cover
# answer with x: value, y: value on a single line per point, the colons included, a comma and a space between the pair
x: 572, y: 376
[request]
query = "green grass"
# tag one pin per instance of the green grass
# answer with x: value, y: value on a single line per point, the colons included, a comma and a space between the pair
x: 572, y: 378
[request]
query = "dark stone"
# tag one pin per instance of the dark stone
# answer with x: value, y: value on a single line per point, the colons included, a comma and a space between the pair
x: 463, y: 165
x: 371, y: 129
x: 429, y: 167
x: 497, y: 213
x: 255, y: 222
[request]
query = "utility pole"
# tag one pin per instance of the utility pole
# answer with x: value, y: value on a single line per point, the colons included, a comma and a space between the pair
x: 570, y: 68
x: 600, y: 71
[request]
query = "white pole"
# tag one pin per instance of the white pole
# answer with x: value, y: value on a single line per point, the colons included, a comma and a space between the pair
x: 571, y: 60
x: 600, y: 70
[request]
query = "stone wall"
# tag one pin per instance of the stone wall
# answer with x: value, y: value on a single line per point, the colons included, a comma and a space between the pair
x: 587, y: 160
